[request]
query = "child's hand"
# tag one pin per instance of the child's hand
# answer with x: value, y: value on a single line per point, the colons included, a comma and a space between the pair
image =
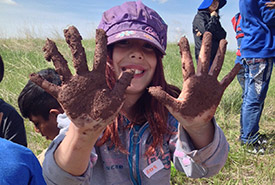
x: 201, y: 91
x: 85, y: 96
x: 198, y: 33
x: 214, y: 13
x: 270, y: 5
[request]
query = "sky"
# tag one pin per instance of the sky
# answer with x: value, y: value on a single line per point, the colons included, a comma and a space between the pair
x: 48, y: 18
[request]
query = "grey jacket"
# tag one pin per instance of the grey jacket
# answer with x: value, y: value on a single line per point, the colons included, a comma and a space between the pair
x: 109, y: 166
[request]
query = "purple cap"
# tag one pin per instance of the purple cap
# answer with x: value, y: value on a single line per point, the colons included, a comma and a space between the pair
x: 134, y: 20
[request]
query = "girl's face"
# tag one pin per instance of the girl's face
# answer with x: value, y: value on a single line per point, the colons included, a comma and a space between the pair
x: 138, y: 55
x: 214, y: 6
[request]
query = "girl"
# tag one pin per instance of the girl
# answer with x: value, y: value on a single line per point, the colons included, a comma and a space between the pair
x: 119, y: 132
x: 207, y: 19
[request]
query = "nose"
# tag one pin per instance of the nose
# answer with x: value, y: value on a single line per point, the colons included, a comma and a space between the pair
x: 136, y: 53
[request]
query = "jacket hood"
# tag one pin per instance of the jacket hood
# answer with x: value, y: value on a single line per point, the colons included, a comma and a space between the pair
x: 206, y: 3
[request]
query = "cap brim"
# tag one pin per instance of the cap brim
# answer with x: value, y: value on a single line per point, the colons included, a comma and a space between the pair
x: 133, y: 34
x: 206, y: 3
x: 222, y: 3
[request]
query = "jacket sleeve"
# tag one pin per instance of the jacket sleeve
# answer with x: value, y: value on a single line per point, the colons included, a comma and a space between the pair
x: 36, y: 173
x: 199, y: 24
x: 54, y: 175
x: 205, y: 162
x: 210, y: 23
x: 214, y: 26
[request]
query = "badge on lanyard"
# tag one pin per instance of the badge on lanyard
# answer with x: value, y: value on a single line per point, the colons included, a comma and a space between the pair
x: 153, y: 168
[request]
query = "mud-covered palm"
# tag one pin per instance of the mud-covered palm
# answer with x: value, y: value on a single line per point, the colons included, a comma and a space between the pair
x: 85, y: 96
x: 201, y: 91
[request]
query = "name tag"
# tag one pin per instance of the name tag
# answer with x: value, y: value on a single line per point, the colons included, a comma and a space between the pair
x: 153, y: 168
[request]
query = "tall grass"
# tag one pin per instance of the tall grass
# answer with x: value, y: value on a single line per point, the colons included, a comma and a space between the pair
x: 22, y: 57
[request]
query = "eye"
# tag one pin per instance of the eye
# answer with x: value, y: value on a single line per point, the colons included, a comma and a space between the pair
x: 149, y: 47
x: 36, y: 124
x: 122, y: 43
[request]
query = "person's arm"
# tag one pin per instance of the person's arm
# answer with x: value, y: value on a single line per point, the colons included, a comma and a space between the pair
x: 201, y: 91
x: 204, y: 22
x: 199, y: 25
x: 214, y: 26
x: 205, y: 162
x: 73, y: 153
x: 85, y: 97
x: 213, y: 22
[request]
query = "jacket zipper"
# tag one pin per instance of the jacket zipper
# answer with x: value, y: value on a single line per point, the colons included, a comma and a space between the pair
x: 135, y: 139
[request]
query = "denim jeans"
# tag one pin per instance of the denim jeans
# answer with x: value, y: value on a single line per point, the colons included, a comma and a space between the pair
x: 240, y: 77
x: 257, y: 78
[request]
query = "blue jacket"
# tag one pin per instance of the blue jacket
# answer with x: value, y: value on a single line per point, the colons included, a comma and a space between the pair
x: 18, y: 165
x: 258, y: 25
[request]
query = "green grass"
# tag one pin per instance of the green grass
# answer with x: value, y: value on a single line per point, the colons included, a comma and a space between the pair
x: 22, y: 57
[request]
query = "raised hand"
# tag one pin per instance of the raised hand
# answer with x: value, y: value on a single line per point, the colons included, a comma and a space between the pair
x: 85, y: 96
x: 201, y: 91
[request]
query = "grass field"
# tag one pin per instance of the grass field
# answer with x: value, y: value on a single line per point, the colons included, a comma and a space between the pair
x: 22, y: 57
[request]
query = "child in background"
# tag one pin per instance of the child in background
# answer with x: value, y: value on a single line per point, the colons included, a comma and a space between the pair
x: 41, y: 108
x: 12, y: 125
x: 128, y: 124
x: 208, y: 19
x: 18, y: 164
x: 257, y: 52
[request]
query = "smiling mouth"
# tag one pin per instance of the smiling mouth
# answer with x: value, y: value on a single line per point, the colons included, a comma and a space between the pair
x: 137, y: 71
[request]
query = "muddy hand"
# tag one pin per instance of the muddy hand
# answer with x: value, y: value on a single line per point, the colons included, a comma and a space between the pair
x: 85, y: 96
x: 201, y: 91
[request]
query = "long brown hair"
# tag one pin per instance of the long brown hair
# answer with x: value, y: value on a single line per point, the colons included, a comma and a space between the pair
x: 147, y: 106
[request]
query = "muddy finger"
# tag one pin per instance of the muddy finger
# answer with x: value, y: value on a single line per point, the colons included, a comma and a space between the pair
x: 230, y: 76
x: 186, y: 58
x: 219, y: 58
x: 163, y: 97
x: 100, y: 55
x: 205, y: 53
x: 46, y: 85
x: 73, y: 39
x: 123, y: 82
x: 61, y: 66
